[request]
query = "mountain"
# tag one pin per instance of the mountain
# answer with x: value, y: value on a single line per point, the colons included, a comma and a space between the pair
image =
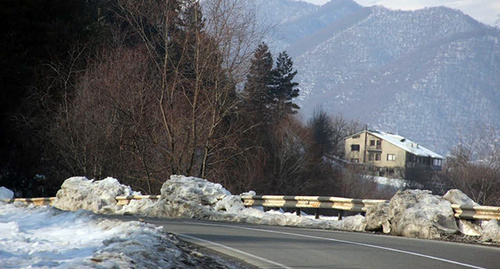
x: 485, y: 11
x: 432, y: 75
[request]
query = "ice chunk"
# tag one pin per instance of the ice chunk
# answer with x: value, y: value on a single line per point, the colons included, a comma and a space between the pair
x: 6, y: 194
x: 96, y: 196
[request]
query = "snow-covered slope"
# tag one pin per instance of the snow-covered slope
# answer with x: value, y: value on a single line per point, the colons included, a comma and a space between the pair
x: 45, y: 237
x: 430, y: 74
x: 485, y: 11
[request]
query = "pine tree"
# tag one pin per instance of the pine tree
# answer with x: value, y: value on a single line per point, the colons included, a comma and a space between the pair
x: 283, y: 89
x: 259, y: 80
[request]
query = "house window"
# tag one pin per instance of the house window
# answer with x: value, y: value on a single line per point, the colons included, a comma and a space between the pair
x: 374, y: 156
x: 354, y: 160
x: 379, y: 144
x: 354, y: 147
x: 391, y: 157
x: 372, y: 143
x: 437, y: 162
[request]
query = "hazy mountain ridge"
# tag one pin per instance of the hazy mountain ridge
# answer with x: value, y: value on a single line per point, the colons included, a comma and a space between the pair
x: 294, y: 30
x: 277, y: 12
x: 428, y: 74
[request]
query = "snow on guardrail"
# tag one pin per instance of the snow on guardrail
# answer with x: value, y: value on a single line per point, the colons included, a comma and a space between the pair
x: 283, y: 201
x: 188, y: 197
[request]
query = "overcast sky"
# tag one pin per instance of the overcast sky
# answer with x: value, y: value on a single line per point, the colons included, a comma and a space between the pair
x: 486, y: 11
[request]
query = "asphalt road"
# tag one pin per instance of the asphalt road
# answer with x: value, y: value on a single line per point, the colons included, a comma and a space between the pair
x: 286, y: 247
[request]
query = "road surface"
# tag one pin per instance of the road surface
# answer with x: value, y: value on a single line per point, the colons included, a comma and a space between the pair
x: 287, y: 247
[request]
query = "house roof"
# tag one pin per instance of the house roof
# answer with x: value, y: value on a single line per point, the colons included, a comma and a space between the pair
x: 404, y: 144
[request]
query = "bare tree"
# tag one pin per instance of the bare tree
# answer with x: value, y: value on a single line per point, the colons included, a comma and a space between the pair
x: 289, y: 157
x: 474, y: 167
x: 237, y: 31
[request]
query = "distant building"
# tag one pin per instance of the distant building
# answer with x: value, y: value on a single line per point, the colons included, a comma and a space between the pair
x: 388, y: 154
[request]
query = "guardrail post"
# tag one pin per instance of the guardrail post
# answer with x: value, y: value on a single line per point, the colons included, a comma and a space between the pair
x: 340, y: 214
x: 297, y: 212
x: 316, y: 216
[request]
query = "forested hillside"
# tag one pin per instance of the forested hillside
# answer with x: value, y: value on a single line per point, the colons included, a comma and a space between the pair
x: 141, y: 90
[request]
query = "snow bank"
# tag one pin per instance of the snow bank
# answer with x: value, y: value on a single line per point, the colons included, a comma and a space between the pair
x: 97, y: 196
x: 190, y: 197
x: 490, y: 231
x: 6, y: 194
x: 376, y: 218
x: 45, y: 237
x: 411, y: 213
x: 487, y: 230
x: 183, y: 197
x: 467, y: 227
x: 455, y: 196
x: 418, y: 213
x: 415, y: 213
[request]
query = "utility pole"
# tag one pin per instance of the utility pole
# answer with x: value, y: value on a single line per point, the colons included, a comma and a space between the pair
x: 364, y: 146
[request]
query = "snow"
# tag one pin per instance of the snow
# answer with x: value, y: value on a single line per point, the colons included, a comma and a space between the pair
x: 190, y: 197
x: 397, y: 183
x: 405, y: 144
x: 455, y: 196
x: 482, y: 10
x: 97, y: 196
x: 185, y: 197
x: 6, y: 194
x: 490, y: 230
x: 414, y: 213
x: 46, y: 237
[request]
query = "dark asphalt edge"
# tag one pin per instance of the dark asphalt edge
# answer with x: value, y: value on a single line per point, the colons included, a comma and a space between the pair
x: 222, y: 257
x: 187, y: 245
x: 451, y: 238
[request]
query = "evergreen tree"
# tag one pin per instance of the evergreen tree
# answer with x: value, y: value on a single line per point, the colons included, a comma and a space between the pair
x: 283, y: 89
x: 259, y: 80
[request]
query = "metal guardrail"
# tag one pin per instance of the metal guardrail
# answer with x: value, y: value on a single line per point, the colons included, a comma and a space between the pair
x: 125, y: 200
x: 476, y: 212
x: 317, y: 202
x: 298, y: 202
x: 356, y: 205
x: 34, y: 201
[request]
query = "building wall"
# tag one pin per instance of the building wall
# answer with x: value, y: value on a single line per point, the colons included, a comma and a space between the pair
x: 377, y: 151
x: 385, y: 158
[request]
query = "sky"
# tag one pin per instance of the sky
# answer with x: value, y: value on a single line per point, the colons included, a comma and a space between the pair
x: 486, y: 11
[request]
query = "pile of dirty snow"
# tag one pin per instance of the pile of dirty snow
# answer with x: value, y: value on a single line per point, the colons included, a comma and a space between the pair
x: 184, y: 197
x: 486, y: 230
x: 190, y: 197
x: 43, y: 237
x: 6, y: 194
x: 413, y: 213
x: 418, y: 213
x: 97, y: 196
